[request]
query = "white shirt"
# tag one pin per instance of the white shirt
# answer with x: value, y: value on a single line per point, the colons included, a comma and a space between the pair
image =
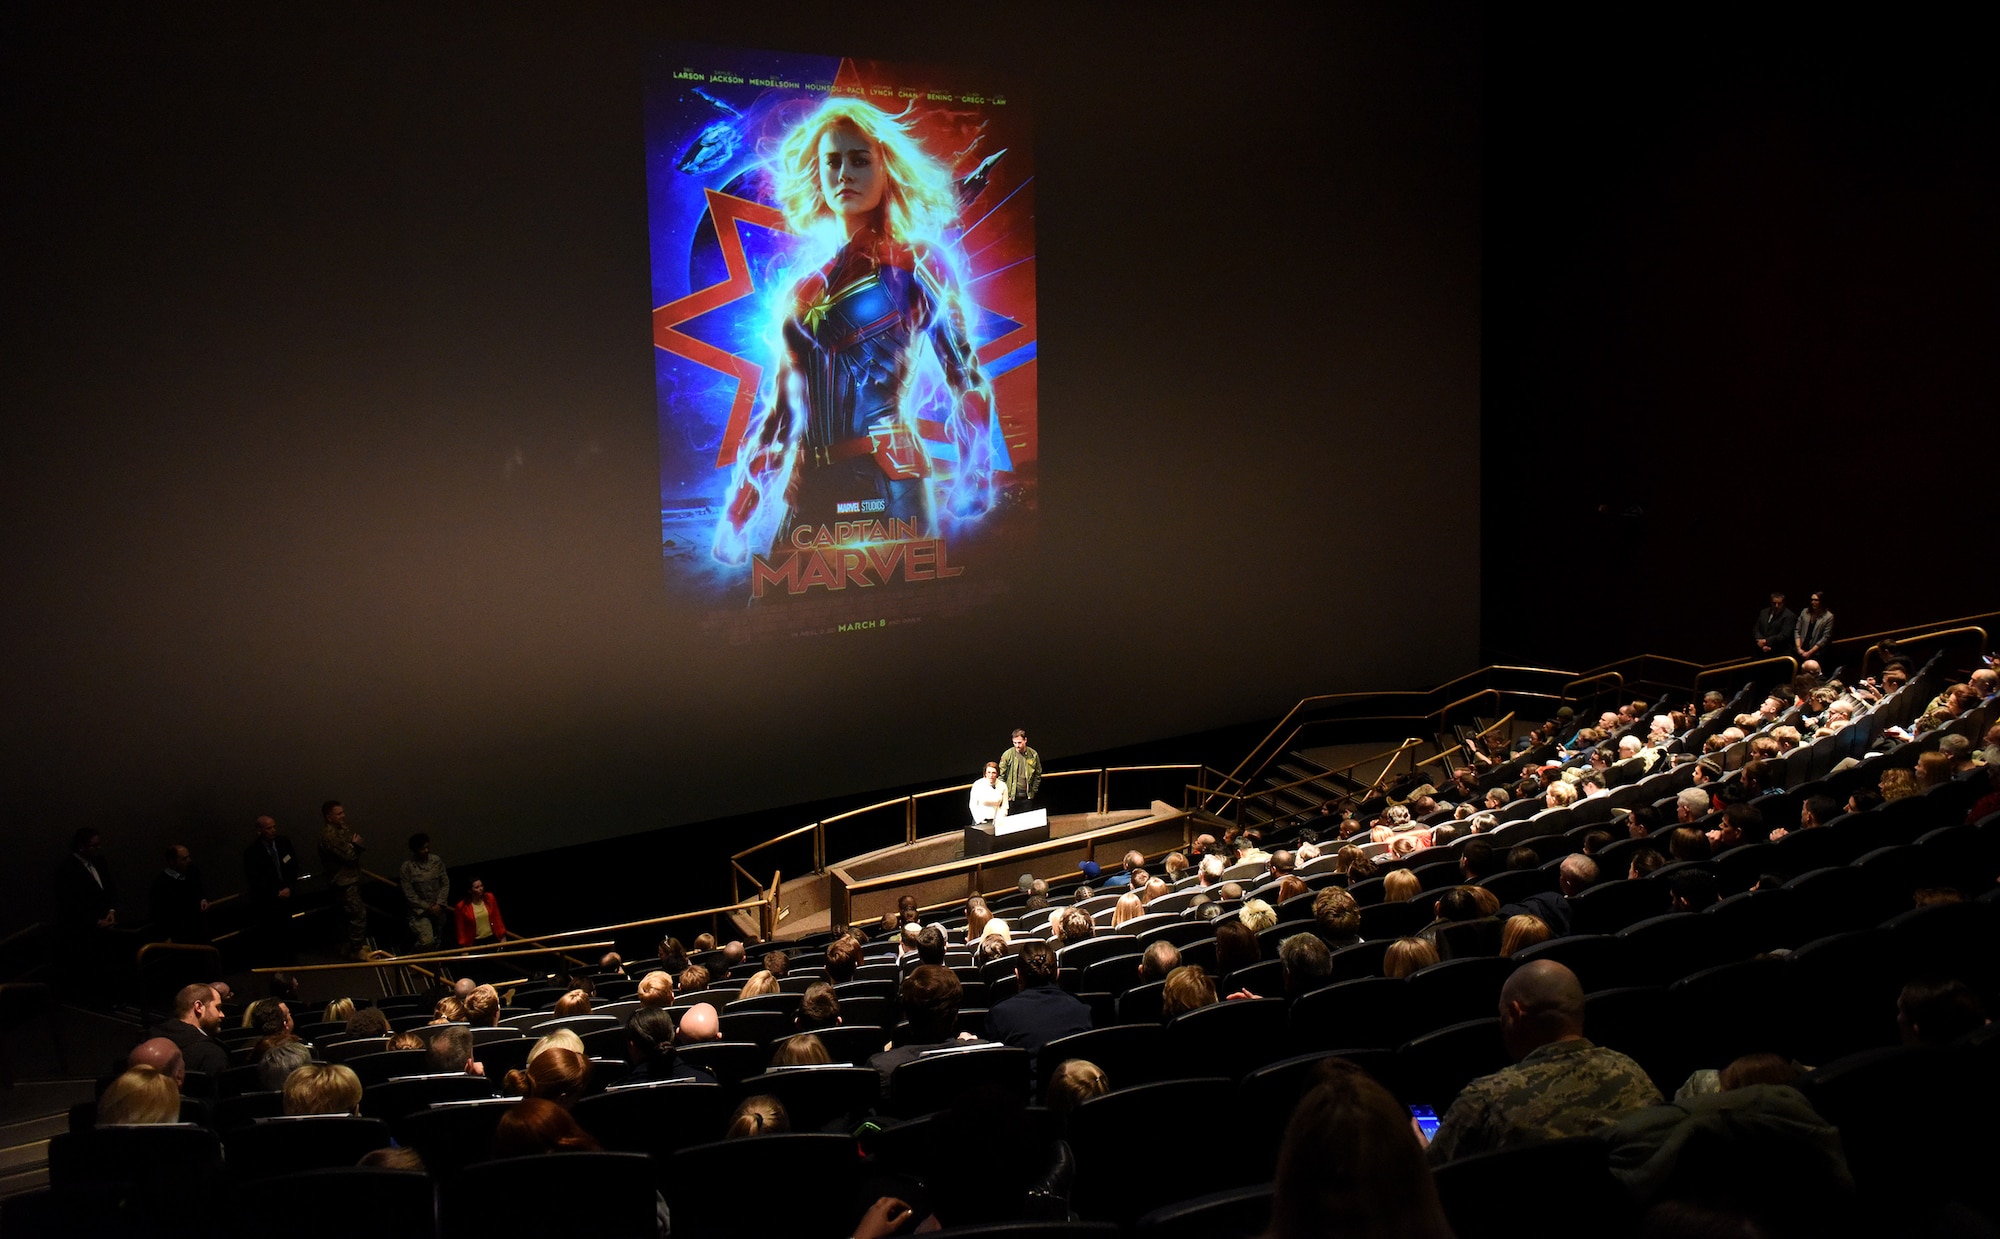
x: 988, y: 801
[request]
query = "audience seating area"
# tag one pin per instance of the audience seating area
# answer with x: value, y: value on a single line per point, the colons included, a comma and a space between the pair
x: 1803, y: 955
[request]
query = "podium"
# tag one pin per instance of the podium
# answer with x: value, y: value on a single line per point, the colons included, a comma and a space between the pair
x: 1013, y: 831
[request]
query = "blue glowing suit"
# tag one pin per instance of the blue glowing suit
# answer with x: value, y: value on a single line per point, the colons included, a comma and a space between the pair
x: 840, y: 438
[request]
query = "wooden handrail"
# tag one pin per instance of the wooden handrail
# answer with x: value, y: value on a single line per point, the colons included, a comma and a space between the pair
x: 1868, y: 658
x: 1792, y: 664
x: 404, y: 961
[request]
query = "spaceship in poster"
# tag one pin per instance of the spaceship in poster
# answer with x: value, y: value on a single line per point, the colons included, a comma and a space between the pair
x: 843, y: 273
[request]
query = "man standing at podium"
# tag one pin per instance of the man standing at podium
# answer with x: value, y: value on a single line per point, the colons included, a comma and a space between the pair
x: 989, y: 796
x: 1021, y: 771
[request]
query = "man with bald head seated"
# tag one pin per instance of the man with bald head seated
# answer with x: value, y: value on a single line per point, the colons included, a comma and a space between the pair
x: 163, y: 1056
x: 700, y: 1023
x: 1560, y: 1084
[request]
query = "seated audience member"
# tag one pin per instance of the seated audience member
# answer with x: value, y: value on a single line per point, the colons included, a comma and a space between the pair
x: 760, y: 983
x: 196, y: 1018
x: 1337, y: 917
x: 408, y: 1039
x: 337, y: 1011
x: 393, y: 1157
x: 1740, y: 824
x: 575, y: 1002
x: 819, y: 1008
x: 269, y: 1016
x: 1560, y: 1084
x: 761, y: 1115
x: 162, y: 1056
x: 699, y: 1023
x: 1520, y: 932
x: 1897, y: 784
x: 1406, y: 955
x: 1157, y: 960
x: 800, y: 1050
x: 556, y: 1075
x: 322, y: 1088
x: 1236, y: 948
x: 1688, y: 843
x: 1398, y: 886
x: 449, y: 1010
x: 693, y: 979
x: 1128, y: 908
x: 277, y: 1064
x: 1039, y: 1011
x: 1351, y: 1165
x: 929, y: 943
x: 1576, y: 874
x: 1072, y: 926
x: 1644, y: 862
x: 1307, y: 964
x: 930, y: 997
x: 1937, y: 1013
x: 366, y: 1022
x: 656, y: 989
x: 1074, y: 1082
x: 1692, y: 890
x: 1259, y: 916
x: 1187, y: 987
x: 560, y: 1039
x: 482, y: 1007
x: 140, y: 1096
x: 977, y: 914
x: 535, y: 1125
x: 451, y: 1051
x: 673, y: 956
x: 649, y: 1047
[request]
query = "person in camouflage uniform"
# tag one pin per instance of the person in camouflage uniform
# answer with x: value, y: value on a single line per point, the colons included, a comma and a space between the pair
x: 340, y: 852
x: 1560, y: 1084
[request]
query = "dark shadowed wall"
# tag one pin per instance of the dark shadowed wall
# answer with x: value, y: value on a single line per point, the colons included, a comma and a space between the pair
x: 329, y: 446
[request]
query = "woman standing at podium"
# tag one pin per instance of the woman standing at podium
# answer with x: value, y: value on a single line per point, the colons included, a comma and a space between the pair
x: 989, y: 796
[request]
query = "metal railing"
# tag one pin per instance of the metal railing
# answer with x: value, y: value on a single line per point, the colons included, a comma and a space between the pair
x: 884, y: 816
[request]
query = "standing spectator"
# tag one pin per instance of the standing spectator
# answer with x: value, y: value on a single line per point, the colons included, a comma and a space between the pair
x: 269, y: 875
x: 1815, y: 627
x: 178, y: 902
x: 340, y: 851
x: 478, y: 916
x: 1775, y: 629
x: 425, y: 888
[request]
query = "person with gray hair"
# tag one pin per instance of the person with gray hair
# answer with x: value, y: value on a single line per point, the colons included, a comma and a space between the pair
x: 1692, y: 804
x: 280, y: 1061
x: 1560, y: 1084
x: 1307, y: 963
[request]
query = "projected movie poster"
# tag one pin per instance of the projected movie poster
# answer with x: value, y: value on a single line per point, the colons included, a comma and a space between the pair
x: 843, y: 261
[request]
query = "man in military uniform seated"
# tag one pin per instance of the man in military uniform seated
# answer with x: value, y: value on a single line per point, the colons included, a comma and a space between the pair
x: 1560, y: 1084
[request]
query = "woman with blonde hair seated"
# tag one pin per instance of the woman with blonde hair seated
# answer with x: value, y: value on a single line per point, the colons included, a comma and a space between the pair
x: 338, y: 1011
x: 322, y: 1088
x: 760, y: 984
x: 1400, y: 886
x: 1186, y: 988
x: 1523, y: 931
x: 1258, y: 915
x: 1129, y: 907
x: 1897, y: 784
x: 141, y: 1096
x: 1074, y: 1082
x: 1406, y: 955
x: 762, y: 1115
x: 560, y: 1039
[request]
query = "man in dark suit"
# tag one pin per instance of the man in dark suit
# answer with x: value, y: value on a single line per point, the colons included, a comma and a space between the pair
x: 271, y: 876
x: 1773, y: 630
x: 1040, y: 1011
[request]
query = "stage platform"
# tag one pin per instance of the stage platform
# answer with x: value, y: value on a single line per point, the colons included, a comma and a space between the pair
x: 937, y: 871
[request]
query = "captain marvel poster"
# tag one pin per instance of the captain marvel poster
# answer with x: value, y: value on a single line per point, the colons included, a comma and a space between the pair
x: 843, y: 263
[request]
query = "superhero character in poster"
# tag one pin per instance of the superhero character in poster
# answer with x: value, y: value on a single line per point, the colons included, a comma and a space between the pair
x: 840, y: 435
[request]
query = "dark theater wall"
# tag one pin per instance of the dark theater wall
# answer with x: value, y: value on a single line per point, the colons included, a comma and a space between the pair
x: 329, y: 448
x: 1740, y: 312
